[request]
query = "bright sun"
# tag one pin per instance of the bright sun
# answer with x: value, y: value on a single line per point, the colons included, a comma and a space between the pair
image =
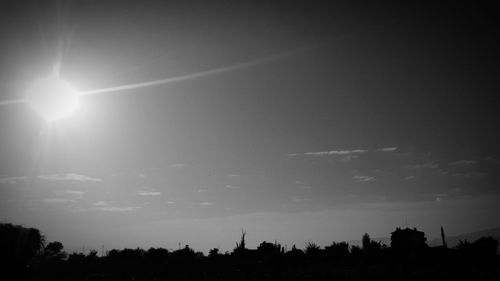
x: 52, y: 98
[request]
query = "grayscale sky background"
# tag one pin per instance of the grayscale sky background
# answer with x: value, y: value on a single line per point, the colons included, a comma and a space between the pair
x: 360, y: 118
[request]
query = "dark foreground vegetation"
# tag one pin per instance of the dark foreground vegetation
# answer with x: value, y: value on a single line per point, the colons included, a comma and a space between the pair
x: 25, y: 255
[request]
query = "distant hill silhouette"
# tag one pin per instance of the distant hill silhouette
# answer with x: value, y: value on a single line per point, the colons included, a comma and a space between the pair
x: 471, y: 236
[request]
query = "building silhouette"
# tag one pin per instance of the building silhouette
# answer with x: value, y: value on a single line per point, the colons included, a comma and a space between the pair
x: 408, y: 242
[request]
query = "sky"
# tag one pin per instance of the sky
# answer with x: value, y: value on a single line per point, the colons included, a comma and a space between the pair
x: 293, y: 121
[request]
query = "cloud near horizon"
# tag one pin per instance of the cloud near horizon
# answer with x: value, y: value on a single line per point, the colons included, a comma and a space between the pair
x: 387, y: 149
x: 58, y: 200
x: 359, y: 178
x: 69, y: 177
x: 148, y: 193
x: 462, y: 162
x: 115, y: 209
x: 331, y: 152
x: 101, y: 203
x: 428, y: 165
x: 12, y: 180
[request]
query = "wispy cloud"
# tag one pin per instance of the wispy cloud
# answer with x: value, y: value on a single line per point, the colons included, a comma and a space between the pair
x: 428, y: 165
x: 359, y: 178
x: 148, y: 193
x: 69, y: 177
x: 302, y: 185
x: 410, y: 178
x: 74, y: 192
x: 297, y: 199
x: 101, y: 203
x: 438, y: 197
x: 349, y: 157
x: 206, y: 203
x: 178, y: 165
x: 232, y: 175
x: 106, y: 206
x: 462, y: 162
x: 58, y: 201
x: 12, y: 180
x: 331, y: 152
x: 469, y: 175
x: 387, y: 149
x: 116, y: 209
x: 228, y: 186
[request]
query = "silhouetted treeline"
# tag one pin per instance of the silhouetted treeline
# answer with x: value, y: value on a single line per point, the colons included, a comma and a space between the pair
x: 27, y: 257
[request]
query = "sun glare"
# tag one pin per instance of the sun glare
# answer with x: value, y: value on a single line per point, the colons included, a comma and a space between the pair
x: 52, y: 98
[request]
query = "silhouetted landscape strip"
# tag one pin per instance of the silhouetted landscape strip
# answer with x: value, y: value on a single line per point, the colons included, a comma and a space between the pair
x: 26, y: 256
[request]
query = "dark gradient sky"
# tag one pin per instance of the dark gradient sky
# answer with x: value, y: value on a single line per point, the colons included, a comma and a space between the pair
x: 365, y: 117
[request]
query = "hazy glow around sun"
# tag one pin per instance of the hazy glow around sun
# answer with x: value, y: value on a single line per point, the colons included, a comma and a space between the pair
x: 52, y: 98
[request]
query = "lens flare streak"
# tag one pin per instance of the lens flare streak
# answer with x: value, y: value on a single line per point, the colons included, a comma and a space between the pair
x: 210, y: 72
x: 205, y: 73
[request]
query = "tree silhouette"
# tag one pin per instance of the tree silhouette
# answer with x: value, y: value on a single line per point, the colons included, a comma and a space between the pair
x: 366, y: 241
x: 157, y: 254
x: 19, y: 244
x: 213, y: 252
x: 337, y: 251
x: 312, y: 249
x: 54, y: 251
x: 18, y: 248
x: 371, y: 248
x: 485, y: 248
